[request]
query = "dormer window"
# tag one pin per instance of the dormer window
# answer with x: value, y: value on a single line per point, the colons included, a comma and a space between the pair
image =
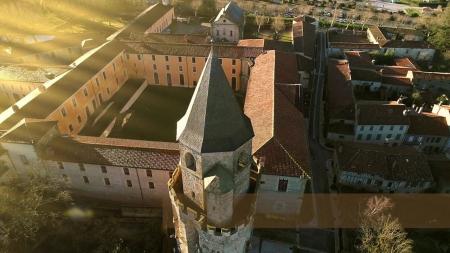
x: 224, y: 20
x: 189, y: 160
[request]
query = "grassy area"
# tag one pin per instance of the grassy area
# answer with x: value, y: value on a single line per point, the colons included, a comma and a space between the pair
x: 155, y: 114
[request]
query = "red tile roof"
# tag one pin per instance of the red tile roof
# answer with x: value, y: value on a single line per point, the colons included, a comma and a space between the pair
x: 280, y: 140
x: 391, y: 163
x: 266, y: 44
x: 431, y: 75
x: 428, y: 124
x: 340, y: 101
x: 381, y: 113
x: 112, y: 152
x: 359, y: 59
x: 396, y: 80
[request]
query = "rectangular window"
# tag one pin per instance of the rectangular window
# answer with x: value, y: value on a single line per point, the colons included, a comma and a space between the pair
x: 82, y: 168
x: 378, y: 137
x: 391, y: 128
x: 139, y: 57
x: 74, y: 102
x: 397, y: 137
x: 96, y: 81
x: 179, y: 59
x: 60, y: 165
x: 181, y: 79
x: 167, y: 67
x: 381, y: 128
x: 361, y: 128
x: 104, y: 75
x: 63, y: 112
x: 194, y: 69
x: 153, y: 57
x: 193, y: 59
x: 401, y: 128
x: 231, y: 33
x: 126, y: 171
x: 85, y: 92
x: 151, y: 185
x: 79, y: 119
x: 371, y: 128
x: 24, y: 160
x: 154, y: 66
x: 149, y: 172
x: 233, y: 71
x: 233, y: 62
x: 70, y: 128
x: 368, y: 137
x: 167, y: 58
x: 107, y: 91
x: 104, y: 170
x: 129, y: 184
x: 86, y: 179
x: 282, y: 185
x: 359, y: 137
x: 180, y: 68
x: 438, y: 139
x: 107, y: 181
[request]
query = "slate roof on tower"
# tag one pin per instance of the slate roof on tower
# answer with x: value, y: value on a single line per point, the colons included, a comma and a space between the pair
x: 214, y: 121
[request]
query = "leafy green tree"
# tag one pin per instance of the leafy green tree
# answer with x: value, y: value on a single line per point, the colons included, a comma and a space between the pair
x: 417, y: 98
x: 440, y: 31
x: 443, y: 99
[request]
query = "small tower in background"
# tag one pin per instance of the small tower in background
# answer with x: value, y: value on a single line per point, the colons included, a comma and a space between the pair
x: 213, y: 189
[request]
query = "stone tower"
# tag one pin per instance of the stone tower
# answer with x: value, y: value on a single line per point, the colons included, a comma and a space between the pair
x: 213, y: 188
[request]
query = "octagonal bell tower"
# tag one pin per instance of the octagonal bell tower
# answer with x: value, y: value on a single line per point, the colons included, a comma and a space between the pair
x: 214, y: 186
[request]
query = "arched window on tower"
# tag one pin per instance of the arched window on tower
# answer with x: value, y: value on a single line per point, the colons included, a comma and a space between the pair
x: 189, y: 160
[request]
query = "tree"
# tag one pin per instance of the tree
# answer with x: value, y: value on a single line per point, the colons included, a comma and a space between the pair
x: 195, y: 4
x: 31, y: 205
x: 417, y: 98
x: 379, y: 231
x: 278, y: 24
x: 440, y: 31
x: 260, y: 20
x: 442, y: 99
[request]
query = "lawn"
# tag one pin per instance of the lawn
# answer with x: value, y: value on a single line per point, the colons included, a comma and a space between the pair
x: 155, y: 114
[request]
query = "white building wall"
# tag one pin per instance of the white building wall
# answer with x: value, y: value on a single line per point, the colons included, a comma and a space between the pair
x: 224, y: 29
x: 379, y: 133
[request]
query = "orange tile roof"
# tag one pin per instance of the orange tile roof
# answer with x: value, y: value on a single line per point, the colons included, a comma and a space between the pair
x: 381, y: 113
x: 428, y: 124
x: 340, y: 101
x: 280, y: 140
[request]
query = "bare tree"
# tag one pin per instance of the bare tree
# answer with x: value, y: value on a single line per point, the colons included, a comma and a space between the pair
x: 195, y: 4
x: 365, y: 16
x: 380, y: 232
x: 278, y: 24
x: 260, y: 20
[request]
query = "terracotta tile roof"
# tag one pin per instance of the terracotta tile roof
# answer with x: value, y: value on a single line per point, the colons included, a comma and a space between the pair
x: 397, y: 81
x: 428, y: 124
x: 381, y: 113
x: 223, y: 51
x: 359, y: 59
x: 277, y: 143
x: 393, y: 70
x: 340, y: 101
x: 391, y: 163
x: 406, y: 44
x: 363, y: 74
x: 112, y: 152
x: 405, y: 62
x: 266, y: 44
x: 431, y: 75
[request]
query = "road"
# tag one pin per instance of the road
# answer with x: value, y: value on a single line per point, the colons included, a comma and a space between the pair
x: 319, y: 239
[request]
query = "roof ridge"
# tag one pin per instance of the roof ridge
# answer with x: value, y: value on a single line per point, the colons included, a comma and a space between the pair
x: 291, y: 157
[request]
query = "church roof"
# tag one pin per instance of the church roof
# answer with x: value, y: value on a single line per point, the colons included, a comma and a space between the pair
x: 214, y: 121
x: 233, y: 12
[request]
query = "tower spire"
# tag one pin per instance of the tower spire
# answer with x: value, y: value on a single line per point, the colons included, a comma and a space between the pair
x: 214, y: 120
